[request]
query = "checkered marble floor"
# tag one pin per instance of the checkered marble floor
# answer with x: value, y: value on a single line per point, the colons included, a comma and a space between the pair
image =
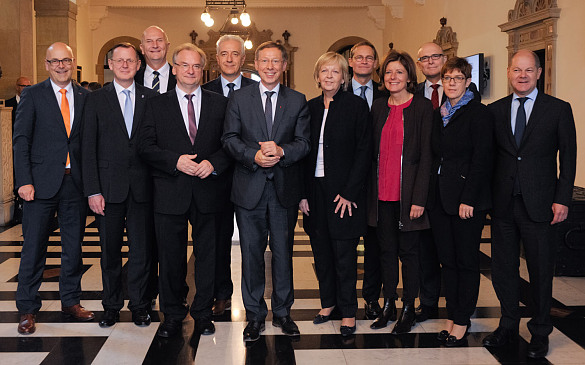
x: 60, y: 341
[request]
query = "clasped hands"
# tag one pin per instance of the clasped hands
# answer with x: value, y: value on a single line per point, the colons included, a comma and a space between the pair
x: 269, y: 154
x: 187, y: 165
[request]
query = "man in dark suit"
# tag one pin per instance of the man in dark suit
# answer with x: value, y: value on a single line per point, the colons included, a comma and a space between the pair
x: 118, y: 184
x: 156, y: 74
x: 181, y: 140
x: 532, y: 130
x: 21, y: 83
x: 48, y: 178
x: 267, y: 133
x: 363, y: 58
x: 230, y: 56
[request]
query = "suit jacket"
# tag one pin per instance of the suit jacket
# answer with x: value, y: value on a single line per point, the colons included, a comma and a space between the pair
x: 139, y: 78
x: 420, y: 89
x: 379, y: 93
x: 164, y: 139
x: 40, y: 140
x: 215, y: 84
x: 245, y: 126
x: 464, y: 151
x: 111, y: 165
x: 416, y: 160
x: 550, y: 131
x: 11, y: 103
x: 347, y: 149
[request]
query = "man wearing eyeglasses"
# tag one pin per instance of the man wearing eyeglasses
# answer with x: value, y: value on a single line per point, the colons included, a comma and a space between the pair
x: 181, y: 141
x: 21, y: 83
x: 156, y: 74
x: 230, y: 56
x: 363, y: 59
x: 118, y: 184
x: 48, y: 179
x: 267, y: 133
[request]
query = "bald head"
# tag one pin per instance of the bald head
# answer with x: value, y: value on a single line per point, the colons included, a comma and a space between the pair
x: 431, y: 61
x: 60, y: 63
x: 154, y: 46
x: 58, y: 48
x: 21, y: 83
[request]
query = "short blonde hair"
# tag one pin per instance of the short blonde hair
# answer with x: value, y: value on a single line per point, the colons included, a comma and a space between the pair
x: 335, y: 58
x: 190, y: 47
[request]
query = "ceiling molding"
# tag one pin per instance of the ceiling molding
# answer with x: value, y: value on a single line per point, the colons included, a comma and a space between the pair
x: 96, y: 14
x: 396, y: 7
x: 378, y: 15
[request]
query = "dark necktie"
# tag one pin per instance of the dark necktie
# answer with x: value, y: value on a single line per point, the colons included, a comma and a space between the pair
x: 520, y: 121
x: 435, y: 96
x: 156, y: 82
x: 268, y: 112
x: 191, y: 114
x: 363, y: 92
x: 230, y: 86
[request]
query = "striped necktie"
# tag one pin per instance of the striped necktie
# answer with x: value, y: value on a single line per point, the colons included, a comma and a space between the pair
x: 156, y: 82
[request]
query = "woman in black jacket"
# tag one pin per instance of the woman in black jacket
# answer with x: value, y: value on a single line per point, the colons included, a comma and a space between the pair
x: 335, y: 172
x: 399, y: 184
x: 459, y: 195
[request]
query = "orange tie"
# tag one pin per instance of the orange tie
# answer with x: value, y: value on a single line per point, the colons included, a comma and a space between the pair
x: 66, y: 117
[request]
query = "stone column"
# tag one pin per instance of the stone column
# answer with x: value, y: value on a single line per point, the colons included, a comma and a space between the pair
x: 6, y: 194
x: 56, y: 22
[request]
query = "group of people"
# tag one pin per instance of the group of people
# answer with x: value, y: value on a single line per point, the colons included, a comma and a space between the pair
x: 414, y: 168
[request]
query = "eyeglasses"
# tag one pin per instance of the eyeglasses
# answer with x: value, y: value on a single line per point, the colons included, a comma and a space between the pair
x: 457, y: 79
x: 274, y: 62
x: 434, y: 57
x: 368, y: 59
x: 20, y: 85
x: 55, y: 62
x: 187, y: 67
x: 121, y: 61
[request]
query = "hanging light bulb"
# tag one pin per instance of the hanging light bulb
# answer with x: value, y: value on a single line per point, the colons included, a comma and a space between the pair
x: 209, y: 23
x: 234, y: 19
x: 205, y: 16
x: 245, y: 18
x: 248, y: 44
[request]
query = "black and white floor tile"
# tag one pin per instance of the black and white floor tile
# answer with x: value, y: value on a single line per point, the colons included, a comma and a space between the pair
x: 60, y: 341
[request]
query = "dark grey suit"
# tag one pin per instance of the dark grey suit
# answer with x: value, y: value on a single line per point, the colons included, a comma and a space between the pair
x: 264, y: 204
x: 526, y: 216
x: 41, y: 146
x: 112, y: 167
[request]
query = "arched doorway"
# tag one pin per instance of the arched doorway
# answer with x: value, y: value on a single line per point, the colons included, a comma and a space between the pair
x: 102, y: 62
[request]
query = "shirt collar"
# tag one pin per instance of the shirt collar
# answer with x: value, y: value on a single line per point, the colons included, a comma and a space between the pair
x: 163, y: 71
x: 428, y: 84
x: 237, y: 82
x: 119, y: 88
x: 56, y: 87
x: 355, y: 85
x: 531, y: 96
x: 264, y: 89
x: 181, y: 94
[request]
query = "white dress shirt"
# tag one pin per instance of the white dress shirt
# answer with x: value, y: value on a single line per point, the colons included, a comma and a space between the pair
x: 429, y: 90
x: 274, y: 98
x: 237, y: 84
x: 183, y: 102
x: 122, y: 97
x: 163, y: 77
x: 356, y: 87
x: 70, y: 100
x: 528, y: 105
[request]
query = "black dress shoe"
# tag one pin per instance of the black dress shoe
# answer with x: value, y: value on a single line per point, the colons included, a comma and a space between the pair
x: 443, y: 335
x: 425, y: 312
x: 500, y: 337
x: 140, y: 317
x: 287, y: 325
x: 110, y: 318
x: 204, y: 326
x: 253, y: 330
x: 538, y: 347
x: 406, y: 320
x: 388, y: 313
x: 372, y: 309
x: 319, y: 318
x: 347, y: 330
x: 452, y: 341
x: 169, y: 328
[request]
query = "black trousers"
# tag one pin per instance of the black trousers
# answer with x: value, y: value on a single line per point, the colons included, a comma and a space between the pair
x: 224, y: 287
x: 458, y: 248
x: 171, y: 234
x: 137, y: 217
x: 372, y: 283
x: 71, y: 207
x: 395, y: 244
x: 269, y: 217
x: 540, y: 250
x: 335, y: 260
x: 429, y: 270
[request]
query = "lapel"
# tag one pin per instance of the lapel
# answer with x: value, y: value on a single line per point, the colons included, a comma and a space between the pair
x: 175, y: 115
x: 316, y: 127
x: 139, y: 105
x: 53, y: 105
x: 538, y: 110
x: 507, y: 105
x: 281, y: 102
x: 206, y: 110
x: 259, y: 111
x: 112, y: 99
x: 78, y: 100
